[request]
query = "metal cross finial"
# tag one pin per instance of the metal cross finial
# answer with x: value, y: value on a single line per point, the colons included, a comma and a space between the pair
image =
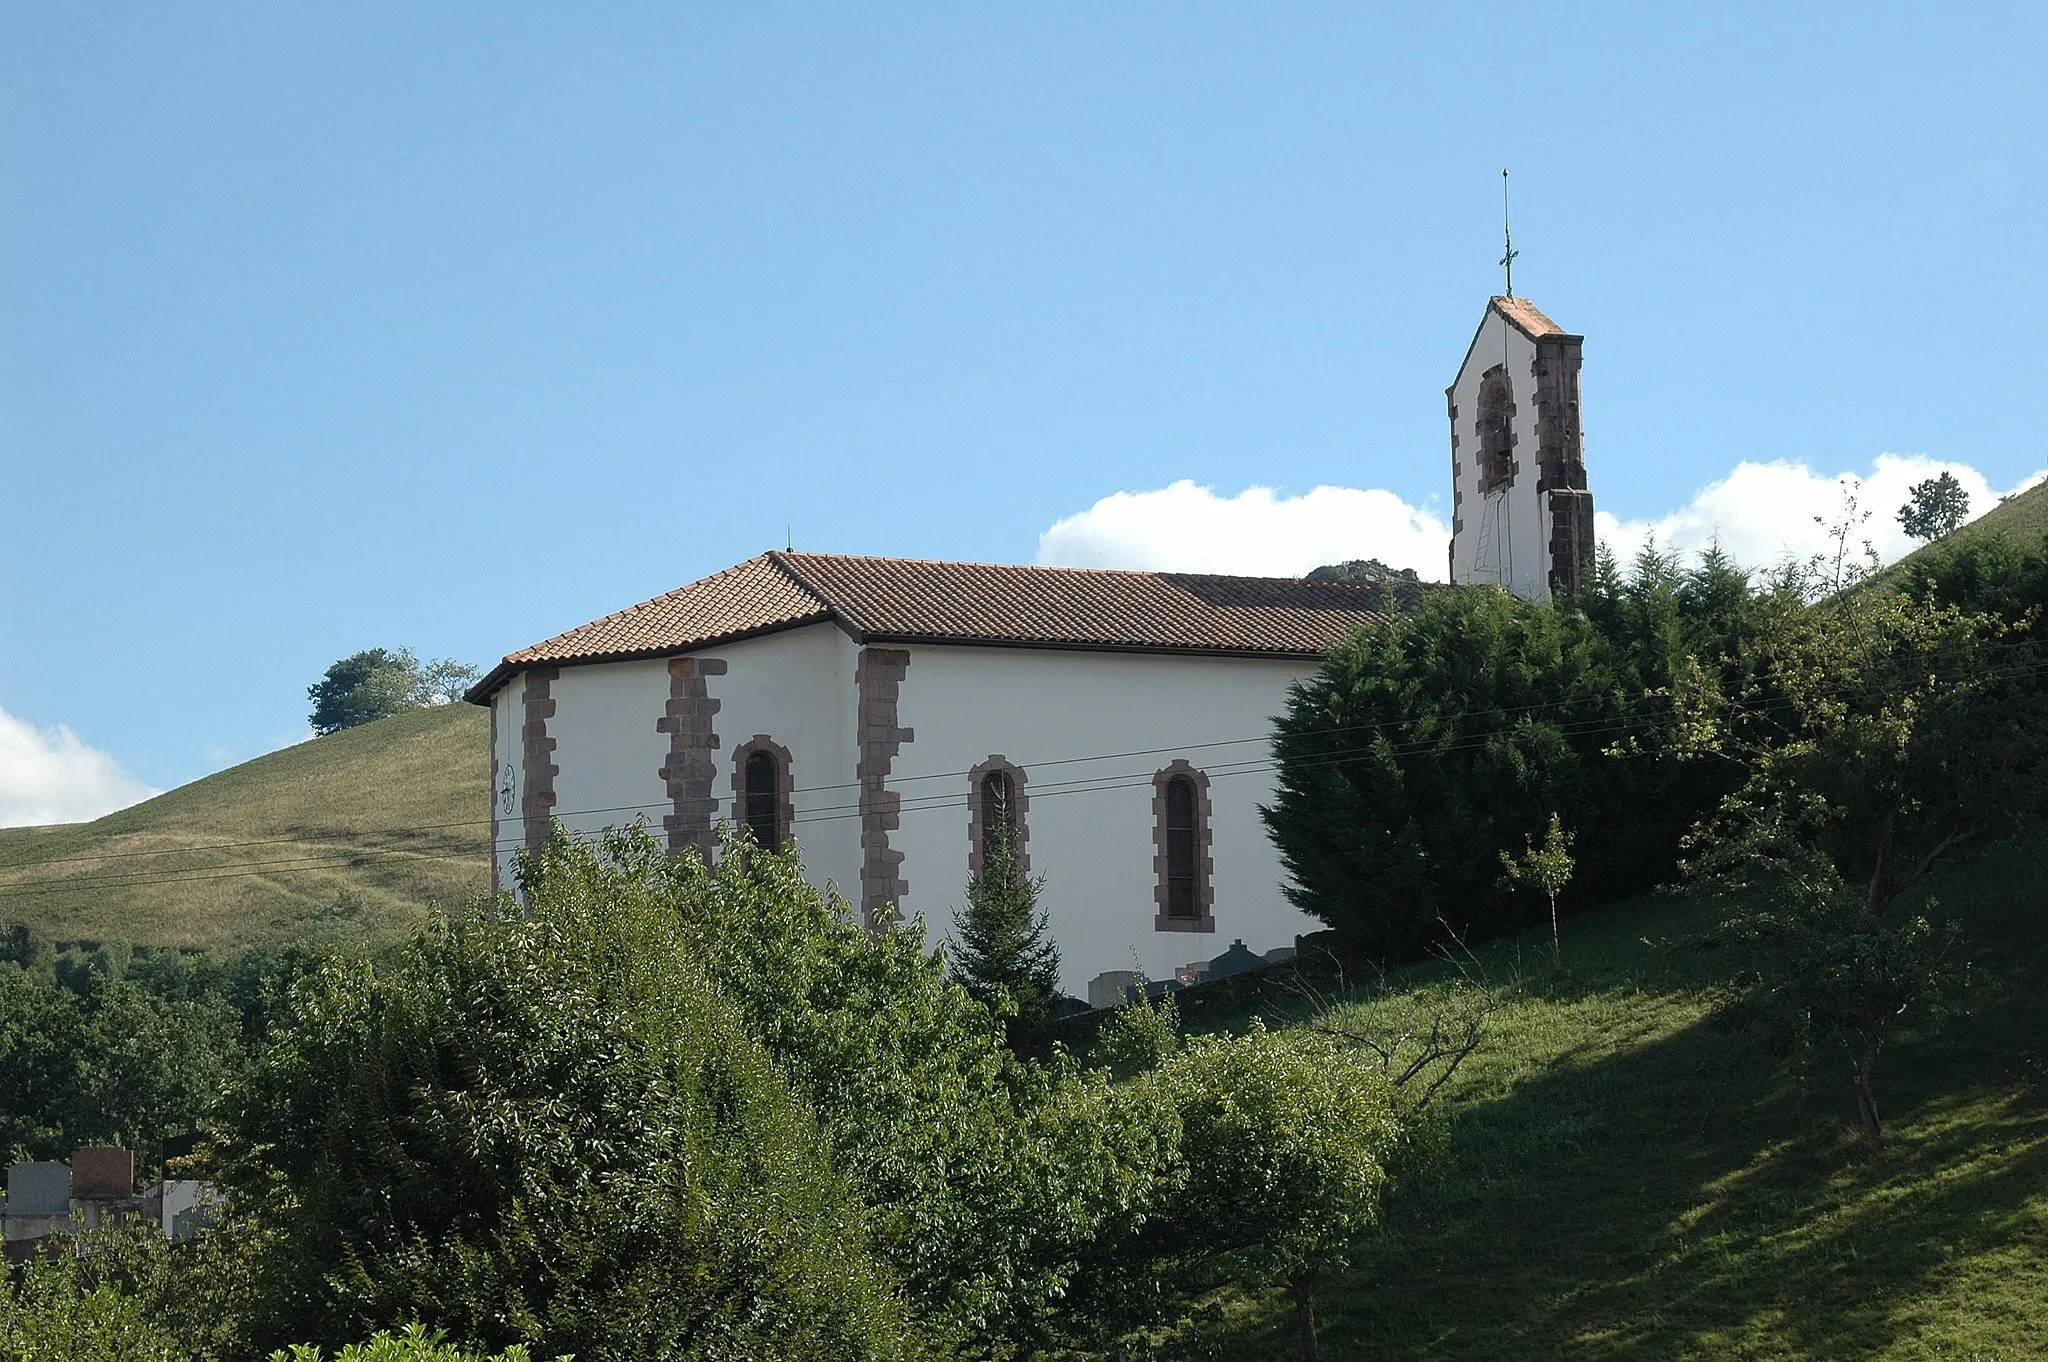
x: 1507, y: 261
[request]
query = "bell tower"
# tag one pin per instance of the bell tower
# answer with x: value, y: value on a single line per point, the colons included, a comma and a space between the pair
x: 1521, y: 516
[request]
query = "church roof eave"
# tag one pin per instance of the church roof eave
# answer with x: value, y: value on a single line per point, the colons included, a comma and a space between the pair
x: 913, y: 601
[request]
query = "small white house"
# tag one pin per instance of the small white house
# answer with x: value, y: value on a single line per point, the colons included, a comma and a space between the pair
x: 881, y: 711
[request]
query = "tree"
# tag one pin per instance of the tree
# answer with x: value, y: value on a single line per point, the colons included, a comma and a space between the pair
x: 105, y: 1062
x: 377, y: 683
x: 1935, y: 507
x: 1005, y: 954
x: 547, y: 1126
x: 1549, y: 868
x: 1288, y: 1140
x: 1884, y: 734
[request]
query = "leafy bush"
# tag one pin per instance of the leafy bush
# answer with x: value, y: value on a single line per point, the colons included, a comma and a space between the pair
x: 51, y: 1312
x: 1995, y: 574
x: 548, y: 1128
x: 413, y: 1344
x: 991, y: 1182
x: 1286, y: 1141
x: 660, y: 1109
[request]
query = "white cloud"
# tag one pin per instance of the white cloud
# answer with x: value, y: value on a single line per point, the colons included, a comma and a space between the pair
x: 1763, y: 513
x: 1186, y: 528
x: 52, y: 777
x: 1760, y: 514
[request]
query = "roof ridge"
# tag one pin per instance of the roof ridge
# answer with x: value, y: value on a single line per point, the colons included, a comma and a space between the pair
x: 780, y: 558
x: 1162, y: 574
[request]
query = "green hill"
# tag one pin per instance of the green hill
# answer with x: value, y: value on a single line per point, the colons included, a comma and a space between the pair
x: 344, y: 839
x: 2023, y: 517
x: 1634, y: 1173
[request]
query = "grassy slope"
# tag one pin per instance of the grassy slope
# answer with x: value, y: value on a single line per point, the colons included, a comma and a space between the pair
x: 356, y: 833
x: 1630, y: 1177
x: 2025, y: 518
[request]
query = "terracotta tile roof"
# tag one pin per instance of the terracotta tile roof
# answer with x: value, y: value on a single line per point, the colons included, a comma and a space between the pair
x: 1524, y: 314
x: 905, y: 600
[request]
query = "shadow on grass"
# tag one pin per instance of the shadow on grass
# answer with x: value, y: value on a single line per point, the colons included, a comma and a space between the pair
x: 1638, y: 1182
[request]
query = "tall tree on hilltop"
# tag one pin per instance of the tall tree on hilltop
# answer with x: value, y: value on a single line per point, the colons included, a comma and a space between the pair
x: 377, y: 683
x: 1935, y: 508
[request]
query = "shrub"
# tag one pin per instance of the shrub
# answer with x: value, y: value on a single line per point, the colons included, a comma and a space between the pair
x: 547, y: 1128
x: 413, y: 1344
x: 992, y: 1182
x: 1287, y: 1140
x: 1996, y: 574
x: 52, y: 1313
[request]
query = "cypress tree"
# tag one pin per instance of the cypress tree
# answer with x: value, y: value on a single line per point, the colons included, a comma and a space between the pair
x: 1004, y: 946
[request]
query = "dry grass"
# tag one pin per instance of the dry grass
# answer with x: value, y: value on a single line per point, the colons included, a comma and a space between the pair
x: 345, y: 840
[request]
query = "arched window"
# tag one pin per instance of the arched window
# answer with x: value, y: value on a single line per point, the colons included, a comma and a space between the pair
x: 761, y: 791
x: 1494, y: 426
x: 761, y: 811
x: 998, y: 811
x: 996, y: 807
x: 1180, y: 850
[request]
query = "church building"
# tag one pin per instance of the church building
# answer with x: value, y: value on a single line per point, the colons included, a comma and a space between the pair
x: 887, y: 714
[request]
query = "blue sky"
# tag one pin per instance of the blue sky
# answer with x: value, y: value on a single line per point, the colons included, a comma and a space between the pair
x: 324, y: 327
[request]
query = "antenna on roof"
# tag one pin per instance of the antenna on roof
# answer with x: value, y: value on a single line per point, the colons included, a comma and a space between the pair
x: 1508, y: 260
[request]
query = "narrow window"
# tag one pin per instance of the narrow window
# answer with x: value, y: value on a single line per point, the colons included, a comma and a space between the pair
x: 762, y: 792
x: 1181, y: 850
x: 997, y: 806
x: 998, y: 812
x: 763, y: 818
x: 1184, y: 893
x: 1495, y: 429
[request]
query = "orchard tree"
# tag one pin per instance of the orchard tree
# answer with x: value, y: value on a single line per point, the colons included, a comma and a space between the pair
x: 1547, y: 867
x: 1935, y: 507
x: 1287, y: 1142
x: 1885, y: 734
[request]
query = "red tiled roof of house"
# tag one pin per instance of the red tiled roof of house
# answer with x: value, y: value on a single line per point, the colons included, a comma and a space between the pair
x: 906, y: 600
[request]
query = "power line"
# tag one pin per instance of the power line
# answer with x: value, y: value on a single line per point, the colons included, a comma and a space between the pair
x: 1595, y: 727
x: 894, y: 781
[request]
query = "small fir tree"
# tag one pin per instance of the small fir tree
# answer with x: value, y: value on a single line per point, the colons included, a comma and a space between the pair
x: 1549, y: 868
x: 1005, y: 954
x: 1935, y: 508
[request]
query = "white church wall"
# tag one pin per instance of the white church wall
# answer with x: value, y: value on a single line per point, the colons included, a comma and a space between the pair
x: 508, y: 788
x: 797, y: 688
x: 1090, y: 822
x: 1523, y: 554
x: 606, y: 746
